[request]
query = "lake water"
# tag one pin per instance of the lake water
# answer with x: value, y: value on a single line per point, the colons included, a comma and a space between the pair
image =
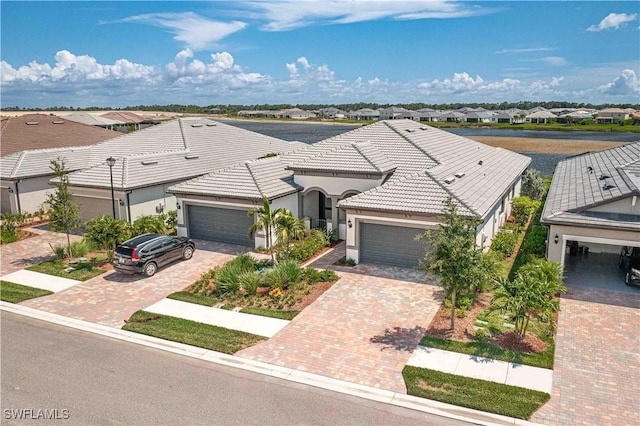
x: 545, y: 163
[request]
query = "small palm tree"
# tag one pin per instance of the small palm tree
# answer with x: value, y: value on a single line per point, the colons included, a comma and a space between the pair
x: 266, y: 221
x: 288, y: 228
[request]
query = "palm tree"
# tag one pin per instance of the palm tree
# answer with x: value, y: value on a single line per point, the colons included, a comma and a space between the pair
x: 266, y: 221
x: 288, y: 228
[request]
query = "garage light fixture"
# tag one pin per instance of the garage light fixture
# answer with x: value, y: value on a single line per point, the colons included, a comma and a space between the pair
x: 556, y: 239
x: 349, y: 223
x: 178, y: 205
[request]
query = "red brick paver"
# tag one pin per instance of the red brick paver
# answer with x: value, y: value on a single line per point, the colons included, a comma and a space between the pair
x: 596, y: 376
x: 362, y: 330
x: 111, y: 298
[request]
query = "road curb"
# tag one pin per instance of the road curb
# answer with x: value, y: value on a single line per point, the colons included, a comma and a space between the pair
x: 353, y: 389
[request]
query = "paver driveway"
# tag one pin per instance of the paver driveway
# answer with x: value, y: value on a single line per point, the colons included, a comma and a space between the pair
x: 596, y: 375
x: 362, y: 330
x: 111, y: 298
x: 23, y: 253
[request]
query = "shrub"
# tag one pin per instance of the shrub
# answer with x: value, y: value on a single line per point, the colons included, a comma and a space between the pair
x: 80, y: 248
x: 303, y: 249
x: 171, y: 220
x: 532, y: 184
x: 228, y: 277
x: 346, y: 261
x: 285, y: 274
x: 249, y: 281
x: 504, y: 243
x: 312, y: 275
x: 105, y: 232
x: 59, y: 251
x: 328, y: 275
x: 149, y: 224
x: 534, y: 242
x: 8, y: 229
x: 522, y: 208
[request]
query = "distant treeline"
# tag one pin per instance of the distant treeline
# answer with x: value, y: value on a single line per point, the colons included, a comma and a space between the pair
x: 233, y: 109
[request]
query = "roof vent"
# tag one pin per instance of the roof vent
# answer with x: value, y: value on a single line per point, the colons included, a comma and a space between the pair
x: 212, y: 124
x: 424, y: 128
x: 32, y: 123
x: 608, y: 186
x: 411, y: 130
x: 449, y: 179
x: 196, y: 125
x: 149, y: 162
x: 460, y: 174
x: 480, y: 163
x: 191, y: 156
x: 604, y: 176
x: 58, y: 122
x: 590, y: 170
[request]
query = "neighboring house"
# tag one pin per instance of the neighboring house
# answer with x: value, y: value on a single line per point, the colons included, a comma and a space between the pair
x: 594, y: 202
x: 365, y: 114
x: 507, y: 117
x: 296, y: 114
x: 397, y: 113
x: 451, y: 116
x: 612, y: 115
x: 332, y: 112
x: 539, y: 117
x: 480, y: 117
x: 28, y: 144
x: 129, y: 120
x: 427, y: 114
x: 150, y: 160
x: 94, y: 120
x: 378, y: 186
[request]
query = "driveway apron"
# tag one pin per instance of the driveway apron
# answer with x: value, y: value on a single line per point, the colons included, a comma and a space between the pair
x: 111, y: 298
x: 596, y: 376
x: 362, y: 330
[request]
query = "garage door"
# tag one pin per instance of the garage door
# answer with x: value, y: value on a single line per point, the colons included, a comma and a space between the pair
x: 90, y: 208
x: 5, y: 200
x: 390, y: 245
x: 223, y: 225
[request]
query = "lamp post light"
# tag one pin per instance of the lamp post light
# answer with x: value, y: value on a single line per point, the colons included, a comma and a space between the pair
x: 111, y: 162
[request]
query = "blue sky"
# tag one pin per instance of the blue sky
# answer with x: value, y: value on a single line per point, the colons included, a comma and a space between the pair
x: 331, y: 52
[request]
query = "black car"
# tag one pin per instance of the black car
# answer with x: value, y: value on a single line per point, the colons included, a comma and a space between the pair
x: 630, y: 263
x: 146, y: 253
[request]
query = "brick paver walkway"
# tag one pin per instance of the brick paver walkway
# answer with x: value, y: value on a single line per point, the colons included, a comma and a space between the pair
x: 362, y: 330
x: 597, y: 362
x: 36, y: 249
x: 111, y: 298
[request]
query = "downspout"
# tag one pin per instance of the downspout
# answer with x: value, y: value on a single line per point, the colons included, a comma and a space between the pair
x: 127, y: 193
x: 18, y: 196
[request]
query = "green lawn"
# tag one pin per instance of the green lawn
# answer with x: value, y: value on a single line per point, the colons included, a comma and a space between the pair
x: 190, y: 332
x: 185, y: 296
x: 489, y: 350
x: 57, y: 268
x: 285, y: 315
x: 16, y: 293
x: 473, y: 393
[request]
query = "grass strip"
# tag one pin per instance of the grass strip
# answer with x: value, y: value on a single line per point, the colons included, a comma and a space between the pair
x: 191, y: 332
x: 285, y: 315
x: 16, y: 293
x: 472, y: 393
x: 487, y: 349
x: 83, y: 271
x: 185, y: 296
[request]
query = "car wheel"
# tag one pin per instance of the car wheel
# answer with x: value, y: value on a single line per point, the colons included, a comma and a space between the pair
x: 187, y: 253
x: 150, y: 269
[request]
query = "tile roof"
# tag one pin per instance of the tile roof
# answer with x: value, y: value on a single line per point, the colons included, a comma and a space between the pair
x: 251, y: 180
x: 174, y: 151
x: 354, y: 157
x: 579, y: 184
x: 36, y: 162
x: 123, y: 116
x: 41, y: 131
x: 91, y: 119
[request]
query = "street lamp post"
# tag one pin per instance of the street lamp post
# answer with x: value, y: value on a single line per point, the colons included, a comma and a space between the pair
x: 111, y: 162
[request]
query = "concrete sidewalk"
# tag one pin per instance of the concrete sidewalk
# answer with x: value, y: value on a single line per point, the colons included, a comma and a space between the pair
x: 255, y: 324
x: 509, y: 373
x: 38, y: 280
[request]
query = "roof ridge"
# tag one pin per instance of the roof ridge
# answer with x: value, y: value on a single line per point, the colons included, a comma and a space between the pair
x: 253, y: 177
x: 184, y: 137
x: 388, y: 124
x: 18, y: 163
x: 356, y: 146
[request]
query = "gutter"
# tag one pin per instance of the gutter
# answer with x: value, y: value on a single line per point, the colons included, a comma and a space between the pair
x: 127, y: 193
x: 18, y: 196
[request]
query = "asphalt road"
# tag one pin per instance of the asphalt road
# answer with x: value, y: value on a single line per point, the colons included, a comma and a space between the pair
x: 80, y: 378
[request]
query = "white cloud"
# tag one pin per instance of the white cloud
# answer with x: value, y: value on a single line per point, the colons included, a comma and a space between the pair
x: 613, y: 21
x: 525, y: 50
x: 195, y: 31
x: 555, y: 61
x: 304, y: 62
x: 290, y: 14
x: 626, y: 84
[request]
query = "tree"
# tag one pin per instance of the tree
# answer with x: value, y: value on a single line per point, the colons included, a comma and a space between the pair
x: 266, y: 221
x: 532, y: 184
x: 287, y: 228
x: 105, y: 231
x: 64, y: 214
x: 453, y: 255
x: 531, y: 294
